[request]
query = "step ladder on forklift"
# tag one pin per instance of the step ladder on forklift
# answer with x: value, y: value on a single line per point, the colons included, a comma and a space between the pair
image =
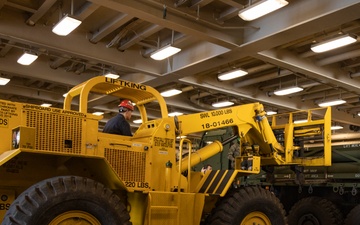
x: 183, y: 206
x: 166, y: 205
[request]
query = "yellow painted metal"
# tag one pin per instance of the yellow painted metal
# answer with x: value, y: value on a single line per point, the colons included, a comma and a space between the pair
x: 138, y: 93
x: 289, y: 137
x: 188, y: 159
x: 75, y: 217
x: 316, y: 122
x: 6, y: 156
x: 7, y: 197
x: 200, y: 155
x: 137, y: 207
x: 257, y: 218
x: 9, y: 118
x: 174, y: 208
x: 255, y: 167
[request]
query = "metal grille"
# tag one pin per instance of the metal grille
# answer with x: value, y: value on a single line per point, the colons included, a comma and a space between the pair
x: 130, y: 166
x: 55, y: 132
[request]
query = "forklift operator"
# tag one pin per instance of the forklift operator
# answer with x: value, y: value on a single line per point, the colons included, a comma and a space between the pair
x: 119, y: 124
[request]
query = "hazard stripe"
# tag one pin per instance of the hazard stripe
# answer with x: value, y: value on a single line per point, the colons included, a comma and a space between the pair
x: 207, y: 181
x: 224, y: 181
x: 216, y: 181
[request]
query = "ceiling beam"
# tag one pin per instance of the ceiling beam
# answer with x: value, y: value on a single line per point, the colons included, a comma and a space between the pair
x: 34, y: 18
x: 154, y: 13
x: 326, y: 74
x: 14, y: 29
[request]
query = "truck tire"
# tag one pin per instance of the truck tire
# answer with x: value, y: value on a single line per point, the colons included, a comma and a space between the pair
x: 353, y: 217
x: 314, y: 211
x: 249, y: 205
x: 68, y: 200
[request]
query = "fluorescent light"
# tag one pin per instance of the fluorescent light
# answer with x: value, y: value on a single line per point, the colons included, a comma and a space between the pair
x: 261, y: 8
x: 171, y: 92
x: 287, y: 91
x: 269, y: 113
x: 46, y: 105
x: 66, y: 25
x: 300, y: 121
x: 137, y: 121
x: 27, y: 58
x: 222, y: 104
x: 164, y: 52
x: 334, y: 43
x: 175, y: 114
x: 332, y: 103
x: 4, y: 81
x: 337, y: 127
x: 112, y: 75
x: 180, y: 137
x: 98, y: 113
x: 232, y: 74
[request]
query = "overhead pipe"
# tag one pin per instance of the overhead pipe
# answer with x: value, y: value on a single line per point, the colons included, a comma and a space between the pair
x: 353, y: 75
x: 194, y: 99
x: 197, y: 18
x: 262, y: 78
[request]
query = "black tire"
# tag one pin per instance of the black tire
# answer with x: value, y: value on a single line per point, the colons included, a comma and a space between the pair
x: 249, y: 205
x: 315, y: 211
x: 67, y: 198
x: 353, y: 218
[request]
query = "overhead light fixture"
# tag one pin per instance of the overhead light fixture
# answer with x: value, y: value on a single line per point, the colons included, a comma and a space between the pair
x: 332, y: 102
x: 98, y: 113
x: 112, y: 75
x: 300, y: 121
x: 46, y: 105
x: 27, y: 58
x: 269, y: 113
x: 66, y: 25
x: 181, y: 137
x: 333, y: 43
x: 288, y: 90
x: 261, y: 8
x: 222, y: 104
x: 164, y: 52
x: 232, y: 74
x: 175, y: 114
x: 137, y: 121
x: 4, y: 81
x: 336, y: 127
x: 171, y: 92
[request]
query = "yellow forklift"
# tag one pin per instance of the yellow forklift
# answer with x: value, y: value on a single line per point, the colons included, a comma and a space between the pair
x: 57, y: 168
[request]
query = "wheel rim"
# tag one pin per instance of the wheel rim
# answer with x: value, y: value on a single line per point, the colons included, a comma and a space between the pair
x: 75, y: 217
x: 257, y: 218
x: 308, y: 219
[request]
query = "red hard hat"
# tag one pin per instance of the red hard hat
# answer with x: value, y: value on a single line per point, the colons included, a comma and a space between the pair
x: 127, y: 104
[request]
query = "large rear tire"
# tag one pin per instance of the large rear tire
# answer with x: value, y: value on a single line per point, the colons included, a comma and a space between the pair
x: 249, y: 205
x: 67, y: 200
x: 353, y: 217
x: 314, y: 211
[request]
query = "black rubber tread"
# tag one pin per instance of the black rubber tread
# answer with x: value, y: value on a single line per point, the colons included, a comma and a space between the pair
x: 42, y: 202
x: 353, y: 217
x: 315, y: 210
x: 232, y: 209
